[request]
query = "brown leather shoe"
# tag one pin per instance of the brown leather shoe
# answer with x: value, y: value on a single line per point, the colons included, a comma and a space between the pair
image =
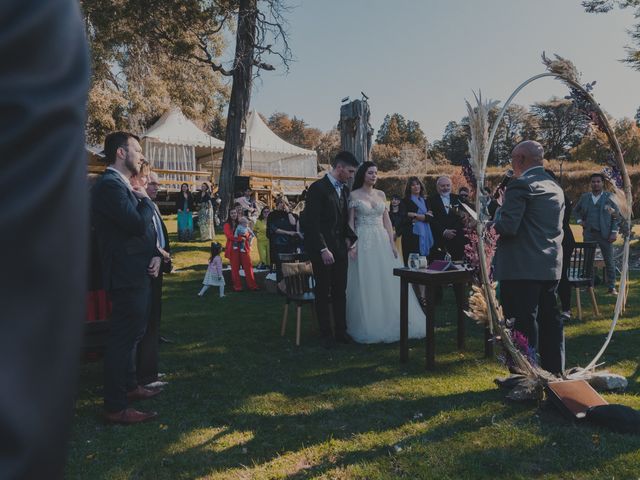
x: 141, y: 393
x: 129, y: 416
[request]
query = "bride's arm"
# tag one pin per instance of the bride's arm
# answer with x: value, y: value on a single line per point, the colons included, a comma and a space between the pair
x: 386, y: 221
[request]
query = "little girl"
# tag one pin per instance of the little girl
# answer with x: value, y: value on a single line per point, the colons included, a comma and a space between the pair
x: 214, y: 271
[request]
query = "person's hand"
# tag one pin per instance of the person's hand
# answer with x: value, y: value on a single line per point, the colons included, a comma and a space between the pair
x: 500, y: 197
x: 429, y: 213
x: 353, y: 252
x: 449, y: 234
x: 327, y: 257
x: 140, y: 192
x: 154, y: 267
x: 412, y: 215
x: 166, y: 256
x: 613, y: 237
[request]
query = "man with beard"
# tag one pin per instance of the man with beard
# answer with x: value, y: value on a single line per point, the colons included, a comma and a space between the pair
x: 123, y: 221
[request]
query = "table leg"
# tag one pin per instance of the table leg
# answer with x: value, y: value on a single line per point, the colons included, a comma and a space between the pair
x: 430, y: 353
x: 404, y: 320
x: 458, y: 290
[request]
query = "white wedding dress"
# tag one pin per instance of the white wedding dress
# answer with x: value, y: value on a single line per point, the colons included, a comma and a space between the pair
x: 373, y: 292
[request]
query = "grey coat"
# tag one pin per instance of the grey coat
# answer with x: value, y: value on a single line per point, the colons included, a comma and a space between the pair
x: 530, y: 227
x: 608, y: 223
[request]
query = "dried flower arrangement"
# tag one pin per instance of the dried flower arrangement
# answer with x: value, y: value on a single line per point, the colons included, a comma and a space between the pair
x: 483, y: 303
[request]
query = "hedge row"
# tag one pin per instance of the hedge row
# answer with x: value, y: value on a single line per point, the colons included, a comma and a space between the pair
x: 574, y: 184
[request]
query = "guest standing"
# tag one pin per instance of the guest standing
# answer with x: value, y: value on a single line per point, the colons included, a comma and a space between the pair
x: 147, y: 350
x: 282, y: 233
x: 447, y: 223
x: 415, y: 218
x: 568, y: 244
x: 260, y: 229
x: 184, y: 204
x: 123, y: 220
x: 594, y: 213
x: 206, y: 213
x: 528, y: 259
x: 236, y: 257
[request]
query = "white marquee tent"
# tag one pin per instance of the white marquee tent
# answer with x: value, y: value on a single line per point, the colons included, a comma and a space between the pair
x: 175, y: 143
x: 265, y: 152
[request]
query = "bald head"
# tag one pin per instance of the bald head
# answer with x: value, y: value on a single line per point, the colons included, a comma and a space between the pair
x: 526, y: 155
x: 443, y: 184
x: 153, y: 185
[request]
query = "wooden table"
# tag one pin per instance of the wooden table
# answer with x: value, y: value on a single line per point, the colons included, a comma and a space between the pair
x: 431, y: 279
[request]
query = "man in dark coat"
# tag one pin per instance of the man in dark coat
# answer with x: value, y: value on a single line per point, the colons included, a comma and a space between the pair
x: 447, y: 224
x: 123, y: 221
x: 44, y: 79
x: 327, y: 240
x: 528, y: 261
x: 147, y: 350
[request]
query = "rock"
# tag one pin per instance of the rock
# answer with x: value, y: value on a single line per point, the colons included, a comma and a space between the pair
x: 606, y: 381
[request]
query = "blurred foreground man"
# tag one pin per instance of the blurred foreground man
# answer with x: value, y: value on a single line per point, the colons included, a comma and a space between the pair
x: 44, y: 79
x: 529, y: 254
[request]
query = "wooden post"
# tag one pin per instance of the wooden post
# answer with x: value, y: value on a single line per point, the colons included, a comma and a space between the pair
x: 355, y: 130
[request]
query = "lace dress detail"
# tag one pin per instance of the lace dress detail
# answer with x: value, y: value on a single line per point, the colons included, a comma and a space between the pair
x: 373, y: 292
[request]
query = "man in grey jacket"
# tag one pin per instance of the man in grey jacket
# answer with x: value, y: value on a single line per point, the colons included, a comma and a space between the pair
x: 594, y: 212
x: 529, y: 254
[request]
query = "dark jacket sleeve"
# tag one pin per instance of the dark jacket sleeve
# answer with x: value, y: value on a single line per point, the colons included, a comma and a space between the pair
x: 314, y: 238
x: 116, y: 205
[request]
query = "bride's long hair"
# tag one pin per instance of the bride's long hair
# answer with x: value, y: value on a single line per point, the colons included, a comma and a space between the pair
x: 358, y: 181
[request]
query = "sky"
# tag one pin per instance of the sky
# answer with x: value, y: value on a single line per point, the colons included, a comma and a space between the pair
x: 423, y: 58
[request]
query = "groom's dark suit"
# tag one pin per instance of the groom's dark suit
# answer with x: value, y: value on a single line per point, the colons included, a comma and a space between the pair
x: 127, y: 242
x: 327, y: 227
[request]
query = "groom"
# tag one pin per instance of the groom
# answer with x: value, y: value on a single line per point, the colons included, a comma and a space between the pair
x: 328, y: 238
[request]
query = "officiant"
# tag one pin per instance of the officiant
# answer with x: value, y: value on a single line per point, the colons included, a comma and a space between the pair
x: 528, y: 259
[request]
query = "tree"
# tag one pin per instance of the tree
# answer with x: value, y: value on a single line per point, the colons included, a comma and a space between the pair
x: 395, y: 130
x: 328, y: 146
x: 454, y: 144
x: 294, y: 130
x: 191, y: 33
x: 561, y: 125
x: 595, y: 145
x: 386, y: 157
x: 603, y: 6
x: 135, y: 77
x: 517, y: 125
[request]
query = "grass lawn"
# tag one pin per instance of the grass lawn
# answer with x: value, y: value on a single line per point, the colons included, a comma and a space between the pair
x: 244, y: 403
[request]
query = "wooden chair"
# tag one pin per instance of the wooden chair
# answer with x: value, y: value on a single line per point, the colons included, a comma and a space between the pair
x: 299, y: 287
x: 581, y: 273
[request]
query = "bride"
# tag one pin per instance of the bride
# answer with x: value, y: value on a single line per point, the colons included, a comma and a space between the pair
x: 373, y: 292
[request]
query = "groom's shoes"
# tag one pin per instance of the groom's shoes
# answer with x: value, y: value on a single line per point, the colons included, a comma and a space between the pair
x: 345, y: 338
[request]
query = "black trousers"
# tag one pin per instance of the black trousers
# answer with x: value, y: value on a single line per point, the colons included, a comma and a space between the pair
x: 147, y: 349
x: 331, y: 286
x: 532, y: 303
x: 564, y: 288
x: 129, y: 317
